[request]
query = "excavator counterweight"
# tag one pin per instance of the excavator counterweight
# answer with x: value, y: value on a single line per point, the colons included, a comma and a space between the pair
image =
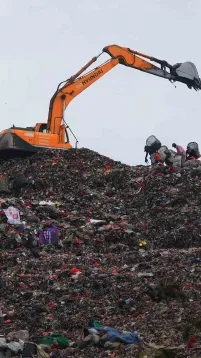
x: 53, y: 134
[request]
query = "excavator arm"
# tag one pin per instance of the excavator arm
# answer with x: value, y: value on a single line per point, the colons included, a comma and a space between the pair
x: 185, y: 73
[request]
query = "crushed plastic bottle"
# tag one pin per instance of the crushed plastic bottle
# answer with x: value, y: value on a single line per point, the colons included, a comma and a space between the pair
x: 145, y: 274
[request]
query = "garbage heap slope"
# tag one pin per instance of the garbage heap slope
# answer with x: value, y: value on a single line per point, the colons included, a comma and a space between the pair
x: 133, y: 233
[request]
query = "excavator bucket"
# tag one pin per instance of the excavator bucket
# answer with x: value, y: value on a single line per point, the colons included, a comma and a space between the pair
x: 186, y: 72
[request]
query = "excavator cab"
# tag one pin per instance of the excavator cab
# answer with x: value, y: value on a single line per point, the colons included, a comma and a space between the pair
x: 41, y: 127
x: 23, y: 142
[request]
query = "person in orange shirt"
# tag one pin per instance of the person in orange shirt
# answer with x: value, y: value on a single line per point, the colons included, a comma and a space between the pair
x: 154, y: 156
x: 158, y: 158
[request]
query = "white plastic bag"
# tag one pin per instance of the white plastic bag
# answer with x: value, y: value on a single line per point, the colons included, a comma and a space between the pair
x: 13, y: 215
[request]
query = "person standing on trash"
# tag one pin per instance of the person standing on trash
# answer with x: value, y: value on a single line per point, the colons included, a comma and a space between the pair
x: 152, y: 146
x: 192, y: 151
x: 148, y: 151
x: 158, y: 158
x: 181, y: 152
x: 190, y: 155
x: 168, y: 158
x: 155, y: 157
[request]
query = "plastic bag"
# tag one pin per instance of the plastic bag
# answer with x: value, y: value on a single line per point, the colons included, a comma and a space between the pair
x: 161, y: 151
x: 13, y: 215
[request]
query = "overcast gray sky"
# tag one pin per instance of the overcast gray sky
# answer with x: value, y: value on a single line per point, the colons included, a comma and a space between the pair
x: 46, y: 41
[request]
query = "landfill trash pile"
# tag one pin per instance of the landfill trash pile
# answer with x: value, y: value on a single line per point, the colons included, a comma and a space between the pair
x: 89, y: 243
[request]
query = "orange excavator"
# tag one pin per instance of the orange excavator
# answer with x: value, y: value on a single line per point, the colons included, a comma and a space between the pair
x: 54, y: 133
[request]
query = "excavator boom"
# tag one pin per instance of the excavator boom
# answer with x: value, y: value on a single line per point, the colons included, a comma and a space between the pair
x: 76, y: 84
x: 53, y: 134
